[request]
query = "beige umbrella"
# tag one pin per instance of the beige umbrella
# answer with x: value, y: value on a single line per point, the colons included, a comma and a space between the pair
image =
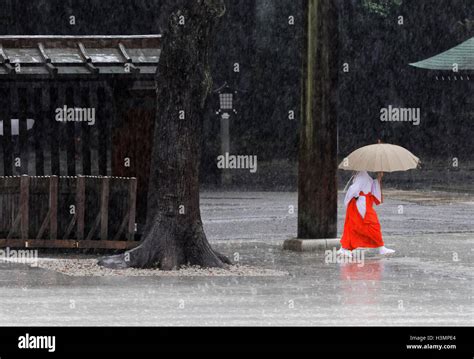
x: 381, y: 157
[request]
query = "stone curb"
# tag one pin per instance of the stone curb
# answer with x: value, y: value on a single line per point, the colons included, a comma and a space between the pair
x: 311, y: 245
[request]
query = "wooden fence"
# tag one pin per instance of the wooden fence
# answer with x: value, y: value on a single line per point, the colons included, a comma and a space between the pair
x: 68, y: 212
x: 32, y: 141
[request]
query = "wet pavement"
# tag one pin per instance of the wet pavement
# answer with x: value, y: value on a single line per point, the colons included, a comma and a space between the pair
x: 428, y: 282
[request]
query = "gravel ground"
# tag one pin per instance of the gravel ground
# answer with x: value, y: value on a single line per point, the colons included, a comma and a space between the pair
x: 76, y: 266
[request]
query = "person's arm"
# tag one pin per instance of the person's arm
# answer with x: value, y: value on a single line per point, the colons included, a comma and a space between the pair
x: 379, y: 178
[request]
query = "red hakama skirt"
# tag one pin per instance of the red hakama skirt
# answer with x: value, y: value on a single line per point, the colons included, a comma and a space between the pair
x: 362, y: 232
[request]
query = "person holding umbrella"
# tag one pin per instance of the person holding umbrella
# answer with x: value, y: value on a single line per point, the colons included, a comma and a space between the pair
x: 362, y: 228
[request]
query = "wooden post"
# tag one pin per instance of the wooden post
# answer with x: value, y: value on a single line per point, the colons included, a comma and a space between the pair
x: 78, y: 129
x: 317, y: 177
x: 94, y: 131
x: 53, y: 206
x: 39, y: 141
x: 132, y: 204
x: 24, y: 205
x: 110, y: 122
x: 102, y: 128
x: 54, y: 129
x: 70, y: 135
x: 104, y: 208
x: 80, y: 206
x: 23, y: 129
x: 7, y: 134
x: 86, y: 134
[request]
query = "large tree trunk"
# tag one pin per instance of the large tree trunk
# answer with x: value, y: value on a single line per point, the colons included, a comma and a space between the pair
x: 174, y: 234
x: 317, y: 182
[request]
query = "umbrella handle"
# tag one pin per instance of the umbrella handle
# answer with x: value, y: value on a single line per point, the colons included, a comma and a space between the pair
x: 347, y: 184
x: 379, y: 178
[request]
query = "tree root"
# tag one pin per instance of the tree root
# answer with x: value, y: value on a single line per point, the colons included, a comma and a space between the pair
x: 166, y: 249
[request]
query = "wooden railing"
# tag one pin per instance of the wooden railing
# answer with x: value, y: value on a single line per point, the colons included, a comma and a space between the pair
x: 68, y: 212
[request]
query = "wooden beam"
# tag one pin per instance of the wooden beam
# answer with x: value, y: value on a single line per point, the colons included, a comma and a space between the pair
x: 44, y: 225
x: 70, y: 134
x: 124, y: 53
x: 85, y: 56
x: 46, y: 124
x: 54, y: 129
x: 87, y: 59
x: 132, y: 204
x: 80, y: 206
x: 78, y: 131
x: 86, y: 134
x: 5, y: 61
x: 128, y: 59
x: 53, y: 70
x: 53, y: 207
x: 94, y: 228
x: 31, y: 114
x: 24, y: 205
x: 71, y: 225
x: 111, y: 113
x: 14, y: 226
x: 122, y: 227
x: 23, y: 129
x: 43, y: 54
x: 39, y: 130
x: 102, y: 113
x: 3, y: 57
x: 94, y: 131
x: 104, y: 208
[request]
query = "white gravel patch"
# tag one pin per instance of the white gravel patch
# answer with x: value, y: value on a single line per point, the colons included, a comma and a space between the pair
x: 87, y: 267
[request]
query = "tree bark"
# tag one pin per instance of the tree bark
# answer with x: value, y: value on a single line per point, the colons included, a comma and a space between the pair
x: 317, y: 181
x: 174, y: 234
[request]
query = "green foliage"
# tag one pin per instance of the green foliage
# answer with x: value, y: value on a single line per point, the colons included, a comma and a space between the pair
x: 381, y: 7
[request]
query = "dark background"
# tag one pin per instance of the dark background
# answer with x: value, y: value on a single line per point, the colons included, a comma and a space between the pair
x: 258, y: 36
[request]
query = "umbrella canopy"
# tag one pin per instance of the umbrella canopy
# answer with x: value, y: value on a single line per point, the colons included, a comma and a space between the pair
x: 381, y: 157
